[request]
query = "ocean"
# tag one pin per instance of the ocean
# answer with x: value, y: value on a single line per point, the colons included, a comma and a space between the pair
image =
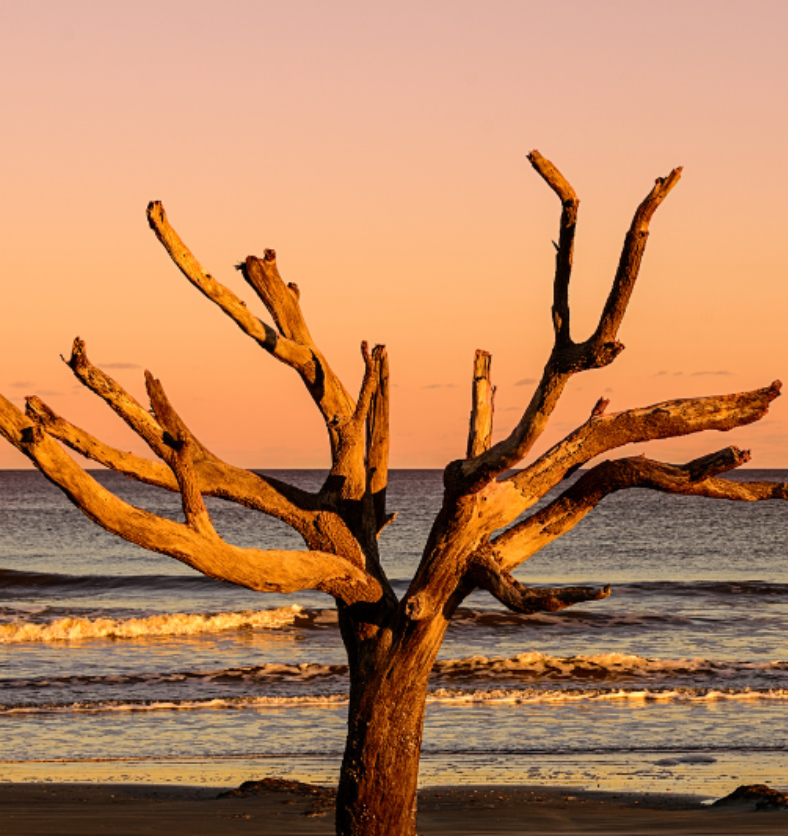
x: 117, y: 664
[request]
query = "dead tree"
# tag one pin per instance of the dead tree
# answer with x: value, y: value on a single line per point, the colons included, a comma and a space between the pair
x: 391, y: 643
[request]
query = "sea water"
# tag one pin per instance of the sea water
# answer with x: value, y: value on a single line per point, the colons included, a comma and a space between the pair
x: 120, y: 664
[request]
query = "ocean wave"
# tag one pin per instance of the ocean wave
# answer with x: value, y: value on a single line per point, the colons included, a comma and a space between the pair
x: 599, y: 666
x: 539, y: 695
x: 169, y: 624
x: 538, y: 667
x: 12, y: 580
x: 442, y: 696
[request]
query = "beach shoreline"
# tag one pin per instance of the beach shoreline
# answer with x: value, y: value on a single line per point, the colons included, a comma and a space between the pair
x: 74, y: 809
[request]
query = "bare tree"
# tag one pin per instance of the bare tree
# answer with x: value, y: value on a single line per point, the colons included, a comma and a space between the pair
x: 391, y: 643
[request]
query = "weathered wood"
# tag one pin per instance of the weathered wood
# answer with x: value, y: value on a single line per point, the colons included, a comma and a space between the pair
x: 566, y: 242
x: 392, y: 644
x: 567, y: 358
x: 271, y: 570
x: 696, y: 478
x: 488, y: 575
x: 482, y: 395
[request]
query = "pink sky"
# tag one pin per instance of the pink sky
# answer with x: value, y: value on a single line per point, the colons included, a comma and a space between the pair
x: 380, y: 149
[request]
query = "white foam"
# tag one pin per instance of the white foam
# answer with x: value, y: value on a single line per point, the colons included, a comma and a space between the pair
x: 538, y: 695
x: 168, y: 624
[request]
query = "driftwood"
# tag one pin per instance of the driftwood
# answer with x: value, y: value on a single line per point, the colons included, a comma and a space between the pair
x: 392, y: 643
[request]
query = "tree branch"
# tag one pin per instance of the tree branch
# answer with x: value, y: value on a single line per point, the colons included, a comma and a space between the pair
x: 378, y: 440
x: 483, y: 394
x: 602, y: 433
x: 179, y: 438
x: 292, y: 343
x: 216, y: 478
x: 567, y: 357
x: 631, y: 258
x: 525, y: 599
x: 262, y: 570
x: 282, y: 301
x: 129, y: 409
x: 286, y: 350
x: 566, y: 241
x: 696, y: 478
x: 136, y: 467
x: 370, y: 382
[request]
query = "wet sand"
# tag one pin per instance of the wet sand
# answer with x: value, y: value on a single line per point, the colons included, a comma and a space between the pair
x: 132, y: 810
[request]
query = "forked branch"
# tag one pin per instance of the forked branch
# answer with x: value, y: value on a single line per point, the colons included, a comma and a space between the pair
x: 259, y: 569
x: 285, y: 350
x: 216, y: 478
x: 603, y: 432
x: 696, y: 478
x: 567, y: 357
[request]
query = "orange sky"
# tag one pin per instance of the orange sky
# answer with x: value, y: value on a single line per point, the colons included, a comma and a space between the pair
x: 380, y: 148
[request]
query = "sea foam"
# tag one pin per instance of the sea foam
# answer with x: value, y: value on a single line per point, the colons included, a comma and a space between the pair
x: 168, y: 624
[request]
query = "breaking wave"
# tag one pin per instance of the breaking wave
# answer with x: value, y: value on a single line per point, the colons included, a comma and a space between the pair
x: 169, y: 624
x: 600, y: 666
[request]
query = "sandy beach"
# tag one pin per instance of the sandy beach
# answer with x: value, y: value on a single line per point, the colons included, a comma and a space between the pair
x: 132, y: 810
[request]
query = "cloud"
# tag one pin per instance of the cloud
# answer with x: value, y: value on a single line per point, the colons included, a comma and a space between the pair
x: 659, y: 374
x: 119, y: 366
x: 440, y: 386
x: 510, y: 409
x: 526, y: 381
x: 22, y: 384
x: 714, y: 374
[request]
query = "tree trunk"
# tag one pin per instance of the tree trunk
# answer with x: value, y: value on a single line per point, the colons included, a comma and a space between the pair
x: 380, y: 768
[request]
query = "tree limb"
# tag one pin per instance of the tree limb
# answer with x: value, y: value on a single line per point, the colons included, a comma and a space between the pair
x: 286, y: 350
x: 370, y: 382
x: 217, y: 478
x: 483, y: 394
x: 136, y: 467
x: 631, y: 258
x: 263, y: 570
x: 179, y: 438
x: 567, y: 358
x: 378, y: 441
x: 525, y: 599
x: 291, y: 343
x: 696, y: 478
x: 602, y: 433
x: 566, y: 241
x: 116, y: 397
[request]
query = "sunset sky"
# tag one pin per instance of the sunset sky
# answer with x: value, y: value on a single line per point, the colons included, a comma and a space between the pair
x: 380, y: 148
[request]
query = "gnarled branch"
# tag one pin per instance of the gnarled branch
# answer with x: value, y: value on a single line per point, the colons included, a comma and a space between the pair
x: 566, y: 242
x: 567, y: 357
x: 604, y: 432
x: 526, y: 599
x: 136, y: 467
x: 217, y: 478
x: 696, y: 478
x: 378, y: 441
x: 259, y: 569
x: 288, y: 351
